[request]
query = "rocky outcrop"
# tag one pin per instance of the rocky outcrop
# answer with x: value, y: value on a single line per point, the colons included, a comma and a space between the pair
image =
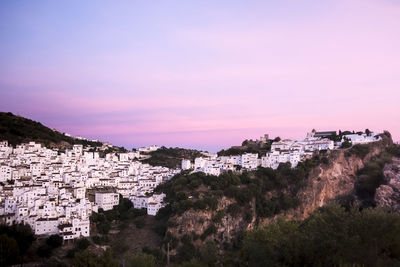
x: 197, y: 223
x: 329, y: 181
x: 388, y: 195
x: 325, y: 183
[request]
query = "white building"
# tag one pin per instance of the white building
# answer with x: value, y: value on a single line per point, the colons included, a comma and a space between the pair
x: 186, y: 165
x: 5, y: 173
x: 106, y: 201
x: 49, y: 190
x: 361, y: 138
x: 250, y: 161
x: 46, y: 226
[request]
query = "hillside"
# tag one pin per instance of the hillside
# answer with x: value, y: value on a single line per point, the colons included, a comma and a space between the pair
x: 219, y: 211
x: 16, y: 130
x: 171, y: 157
x: 249, y: 146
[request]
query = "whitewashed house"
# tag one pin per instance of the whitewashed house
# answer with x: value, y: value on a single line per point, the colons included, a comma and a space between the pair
x: 106, y: 201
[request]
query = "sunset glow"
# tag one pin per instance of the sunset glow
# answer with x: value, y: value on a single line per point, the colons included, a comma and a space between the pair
x: 201, y: 74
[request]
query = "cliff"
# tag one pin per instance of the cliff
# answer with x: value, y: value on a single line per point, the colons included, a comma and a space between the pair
x: 328, y: 182
x: 325, y: 182
x: 388, y: 194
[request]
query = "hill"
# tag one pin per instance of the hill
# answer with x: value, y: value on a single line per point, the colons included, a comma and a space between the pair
x: 218, y: 213
x: 171, y: 157
x: 17, y: 130
x: 249, y: 146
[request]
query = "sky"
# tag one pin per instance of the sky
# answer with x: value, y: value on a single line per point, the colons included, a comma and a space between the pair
x: 201, y: 74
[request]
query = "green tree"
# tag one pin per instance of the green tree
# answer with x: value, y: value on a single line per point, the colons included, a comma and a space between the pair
x: 54, y: 241
x: 142, y: 260
x: 9, y: 251
x: 331, y: 236
x: 346, y: 144
x: 209, y: 254
x: 44, y: 251
x: 82, y: 244
x: 85, y: 258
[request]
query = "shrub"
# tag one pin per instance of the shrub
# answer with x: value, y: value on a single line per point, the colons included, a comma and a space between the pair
x: 324, y: 160
x: 186, y: 252
x: 346, y: 144
x: 331, y: 236
x: 82, y: 244
x: 233, y: 209
x: 139, y: 222
x: 360, y: 150
x: 209, y: 231
x: 142, y: 260
x: 199, y: 205
x: 104, y: 227
x: 54, y: 241
x: 9, y: 252
x: 44, y: 251
x: 218, y: 217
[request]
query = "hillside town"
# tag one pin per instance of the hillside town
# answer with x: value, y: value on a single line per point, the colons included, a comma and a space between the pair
x: 282, y: 151
x: 55, y: 192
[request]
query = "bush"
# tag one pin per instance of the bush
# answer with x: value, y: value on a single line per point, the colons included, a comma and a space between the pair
x: 324, y: 160
x: 15, y: 241
x: 186, y: 252
x: 9, y: 252
x: 331, y: 236
x: 44, y: 251
x: 142, y: 260
x: 104, y: 227
x: 233, y: 209
x: 199, y: 205
x: 139, y: 222
x: 209, y: 231
x: 218, y: 217
x: 71, y: 252
x: 54, y: 241
x: 82, y: 244
x: 164, y: 213
x: 100, y: 240
x: 346, y: 144
x: 360, y: 150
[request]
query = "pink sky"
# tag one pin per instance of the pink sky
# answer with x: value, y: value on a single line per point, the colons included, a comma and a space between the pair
x: 204, y: 76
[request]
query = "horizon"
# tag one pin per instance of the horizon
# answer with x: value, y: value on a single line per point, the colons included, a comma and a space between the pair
x: 202, y: 149
x: 201, y: 75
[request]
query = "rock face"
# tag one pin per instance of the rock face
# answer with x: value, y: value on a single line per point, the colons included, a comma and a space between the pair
x: 197, y: 222
x: 388, y: 195
x: 325, y: 183
x: 329, y: 181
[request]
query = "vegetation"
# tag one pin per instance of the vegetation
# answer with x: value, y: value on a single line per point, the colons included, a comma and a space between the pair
x: 249, y: 146
x: 371, y: 176
x: 346, y: 144
x: 171, y: 157
x: 15, y: 241
x: 46, y: 249
x: 359, y: 150
x: 80, y: 245
x: 272, y: 191
x: 123, y: 212
x: 54, y: 241
x: 199, y: 191
x: 85, y: 258
x: 142, y: 260
x: 331, y: 236
x: 16, y: 130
